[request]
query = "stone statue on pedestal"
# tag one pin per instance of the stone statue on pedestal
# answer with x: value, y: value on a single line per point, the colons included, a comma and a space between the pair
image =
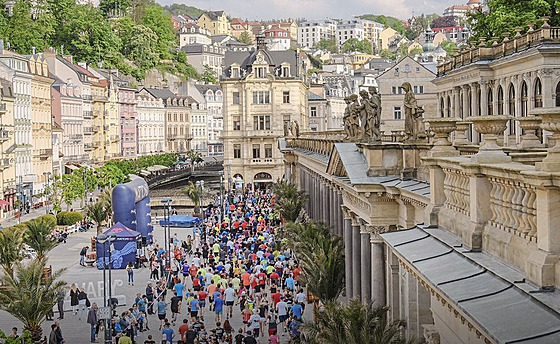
x: 351, y: 118
x: 362, y: 118
x: 295, y: 129
x: 413, y: 125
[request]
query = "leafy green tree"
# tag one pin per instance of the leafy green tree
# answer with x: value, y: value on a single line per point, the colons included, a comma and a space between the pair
x: 54, y: 193
x: 244, y: 37
x: 88, y: 36
x: 353, y: 44
x: 28, y: 27
x: 327, y: 44
x: 208, y: 76
x: 161, y: 24
x: 449, y: 47
x: 39, y: 236
x: 29, y: 295
x: 72, y: 188
x: 387, y: 54
x: 415, y: 51
x: 115, y: 8
x: 184, y: 9
x: 109, y: 175
x: 402, y: 50
x: 505, y: 15
x: 24, y: 338
x: 355, y: 323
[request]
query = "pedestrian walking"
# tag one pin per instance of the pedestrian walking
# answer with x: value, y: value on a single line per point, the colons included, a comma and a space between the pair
x: 74, y: 301
x: 83, y: 253
x: 93, y: 321
x: 60, y: 303
x: 130, y: 272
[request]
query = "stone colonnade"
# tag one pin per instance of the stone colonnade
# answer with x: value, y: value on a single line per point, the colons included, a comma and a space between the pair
x: 363, y: 247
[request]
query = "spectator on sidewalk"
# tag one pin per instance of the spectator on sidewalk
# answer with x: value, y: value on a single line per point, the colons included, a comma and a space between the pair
x: 92, y: 320
x: 83, y: 253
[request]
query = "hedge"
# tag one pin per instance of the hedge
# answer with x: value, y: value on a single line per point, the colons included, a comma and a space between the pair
x: 68, y: 218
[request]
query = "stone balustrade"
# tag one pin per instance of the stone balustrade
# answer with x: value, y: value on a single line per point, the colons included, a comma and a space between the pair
x: 456, y: 190
x: 493, y: 50
x: 513, y: 207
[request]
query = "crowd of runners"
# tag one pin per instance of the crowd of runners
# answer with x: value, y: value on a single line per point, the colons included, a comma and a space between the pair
x: 231, y: 281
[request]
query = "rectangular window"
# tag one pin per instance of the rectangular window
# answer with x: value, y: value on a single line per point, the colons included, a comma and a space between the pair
x: 394, y: 90
x: 237, y: 151
x: 260, y: 72
x: 415, y: 89
x: 397, y: 113
x: 286, y: 97
x: 256, y: 151
x: 313, y: 111
x: 261, y: 97
x: 400, y: 90
x: 268, y: 151
x: 236, y: 123
x: 236, y: 99
x: 421, y: 89
x: 261, y: 122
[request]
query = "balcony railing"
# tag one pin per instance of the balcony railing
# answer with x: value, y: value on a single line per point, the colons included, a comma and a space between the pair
x: 88, y: 130
x: 485, y: 51
x: 86, y: 96
x: 76, y: 137
x: 4, y: 163
x: 2, y: 108
x: 4, y: 134
x: 115, y: 138
x: 88, y: 114
x: 88, y: 146
x: 95, y: 128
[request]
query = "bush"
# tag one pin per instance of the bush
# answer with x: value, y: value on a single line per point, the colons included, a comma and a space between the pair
x: 68, y: 218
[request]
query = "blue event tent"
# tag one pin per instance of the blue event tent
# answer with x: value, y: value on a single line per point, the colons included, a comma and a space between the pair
x: 124, y: 247
x: 181, y: 221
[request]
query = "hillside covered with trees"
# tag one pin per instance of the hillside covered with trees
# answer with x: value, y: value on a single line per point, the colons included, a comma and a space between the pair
x: 131, y: 35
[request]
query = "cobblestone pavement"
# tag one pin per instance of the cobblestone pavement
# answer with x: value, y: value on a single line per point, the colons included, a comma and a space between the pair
x: 77, y: 331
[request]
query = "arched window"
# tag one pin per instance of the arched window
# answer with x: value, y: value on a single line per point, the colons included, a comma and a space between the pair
x: 538, y: 93
x: 511, y: 100
x: 558, y: 94
x: 511, y: 109
x: 500, y: 100
x: 524, y: 99
x: 490, y: 102
x: 469, y: 110
x: 479, y: 101
x: 448, y: 108
x: 442, y: 106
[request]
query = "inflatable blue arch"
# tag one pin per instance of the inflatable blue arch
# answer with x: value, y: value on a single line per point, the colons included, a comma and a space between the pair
x: 131, y: 207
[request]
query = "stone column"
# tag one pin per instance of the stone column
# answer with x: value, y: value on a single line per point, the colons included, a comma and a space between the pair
x: 466, y: 106
x: 483, y: 97
x: 348, y: 254
x: 456, y: 101
x: 322, y: 202
x: 332, y: 209
x: 356, y: 261
x: 378, y: 282
x: 288, y: 172
x: 546, y: 82
x: 439, y: 109
x: 365, y: 267
x: 340, y: 214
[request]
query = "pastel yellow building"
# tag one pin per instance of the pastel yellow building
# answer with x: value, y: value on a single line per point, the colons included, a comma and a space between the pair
x: 385, y: 37
x: 100, y: 128
x: 112, y: 122
x: 41, y: 122
x: 216, y: 22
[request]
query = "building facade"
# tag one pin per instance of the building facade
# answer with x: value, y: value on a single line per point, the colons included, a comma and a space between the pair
x: 309, y: 33
x: 201, y: 56
x: 213, y: 99
x: 392, y: 95
x: 7, y: 142
x: 67, y: 111
x: 128, y: 124
x: 41, y: 122
x: 347, y: 29
x: 458, y: 236
x: 264, y: 91
x: 193, y: 34
x: 277, y: 38
x: 216, y: 22
x: 151, y: 124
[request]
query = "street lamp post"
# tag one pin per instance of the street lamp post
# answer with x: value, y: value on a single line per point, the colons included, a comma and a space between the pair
x: 47, y: 179
x: 102, y: 238
x: 166, y: 230
x: 222, y: 206
x: 200, y: 187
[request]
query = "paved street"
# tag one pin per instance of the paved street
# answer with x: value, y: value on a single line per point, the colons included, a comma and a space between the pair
x: 76, y: 331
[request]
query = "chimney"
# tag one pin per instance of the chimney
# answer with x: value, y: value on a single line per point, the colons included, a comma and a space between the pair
x: 33, y: 49
x: 83, y: 64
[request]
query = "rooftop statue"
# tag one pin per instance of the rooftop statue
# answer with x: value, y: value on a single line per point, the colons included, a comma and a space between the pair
x: 413, y: 125
x: 362, y: 116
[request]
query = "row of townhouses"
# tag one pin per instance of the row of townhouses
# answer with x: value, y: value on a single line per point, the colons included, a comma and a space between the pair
x: 57, y: 115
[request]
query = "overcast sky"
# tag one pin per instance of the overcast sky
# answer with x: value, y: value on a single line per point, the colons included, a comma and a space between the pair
x: 316, y: 9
